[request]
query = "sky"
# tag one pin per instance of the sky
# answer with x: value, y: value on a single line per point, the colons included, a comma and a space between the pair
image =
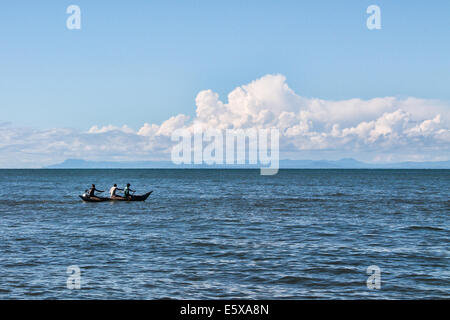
x: 137, y: 70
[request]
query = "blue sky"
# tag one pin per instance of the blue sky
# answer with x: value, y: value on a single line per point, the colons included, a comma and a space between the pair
x: 142, y: 62
x: 147, y: 60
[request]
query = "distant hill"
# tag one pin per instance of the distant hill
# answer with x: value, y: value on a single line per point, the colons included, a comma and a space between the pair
x: 284, y: 164
x: 86, y: 164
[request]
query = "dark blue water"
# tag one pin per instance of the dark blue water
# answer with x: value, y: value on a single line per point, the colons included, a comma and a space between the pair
x: 207, y: 234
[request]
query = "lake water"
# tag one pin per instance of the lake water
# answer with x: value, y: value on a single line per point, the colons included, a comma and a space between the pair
x: 210, y: 234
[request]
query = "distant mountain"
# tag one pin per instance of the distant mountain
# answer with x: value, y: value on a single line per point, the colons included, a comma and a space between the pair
x: 86, y: 164
x: 284, y: 164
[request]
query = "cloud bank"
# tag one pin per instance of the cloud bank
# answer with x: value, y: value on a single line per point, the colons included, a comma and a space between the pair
x: 379, y: 129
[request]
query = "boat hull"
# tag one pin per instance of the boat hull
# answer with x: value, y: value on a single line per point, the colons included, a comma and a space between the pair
x: 103, y: 199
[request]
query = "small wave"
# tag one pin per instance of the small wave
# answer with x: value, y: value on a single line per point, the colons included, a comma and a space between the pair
x: 424, y: 228
x: 33, y: 202
x: 337, y: 194
x: 334, y: 270
x: 296, y: 200
x: 21, y: 264
x: 256, y: 279
x: 407, y: 201
x: 291, y: 280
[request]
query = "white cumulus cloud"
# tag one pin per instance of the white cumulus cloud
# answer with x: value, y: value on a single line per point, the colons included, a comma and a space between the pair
x: 386, y: 128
